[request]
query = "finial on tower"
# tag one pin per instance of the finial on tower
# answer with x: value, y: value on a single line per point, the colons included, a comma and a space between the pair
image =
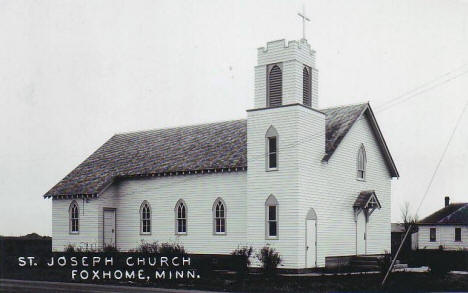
x: 304, y: 19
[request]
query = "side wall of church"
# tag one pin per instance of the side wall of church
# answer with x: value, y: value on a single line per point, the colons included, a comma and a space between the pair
x: 339, y: 188
x: 199, y: 193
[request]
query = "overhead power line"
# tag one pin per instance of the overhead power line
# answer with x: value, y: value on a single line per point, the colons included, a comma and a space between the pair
x: 427, y: 189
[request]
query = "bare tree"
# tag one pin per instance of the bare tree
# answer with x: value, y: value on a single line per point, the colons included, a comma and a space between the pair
x: 407, y: 218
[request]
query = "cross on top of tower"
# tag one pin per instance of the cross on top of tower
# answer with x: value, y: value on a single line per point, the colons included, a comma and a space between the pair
x: 304, y: 19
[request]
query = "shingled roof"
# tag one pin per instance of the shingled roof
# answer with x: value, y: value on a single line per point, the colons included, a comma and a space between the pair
x: 339, y: 121
x: 212, y: 146
x: 453, y: 214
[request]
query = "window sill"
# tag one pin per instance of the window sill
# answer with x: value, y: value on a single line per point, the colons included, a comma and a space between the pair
x: 361, y: 179
x: 272, y: 238
x: 219, y: 234
x: 145, y: 233
x: 271, y: 169
x: 74, y: 233
x: 181, y: 234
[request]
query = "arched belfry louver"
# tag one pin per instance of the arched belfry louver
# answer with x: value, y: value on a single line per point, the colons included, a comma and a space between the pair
x: 306, y: 86
x: 275, y: 86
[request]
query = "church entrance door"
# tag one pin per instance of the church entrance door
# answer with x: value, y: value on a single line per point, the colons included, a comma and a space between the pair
x: 311, y: 248
x: 361, y: 236
x: 109, y: 227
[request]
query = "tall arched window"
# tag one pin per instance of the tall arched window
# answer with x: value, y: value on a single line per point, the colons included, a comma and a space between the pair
x: 219, y: 217
x: 271, y: 141
x: 274, y: 85
x: 74, y: 218
x: 181, y: 217
x: 145, y: 218
x: 306, y: 86
x: 361, y: 163
x: 271, y: 216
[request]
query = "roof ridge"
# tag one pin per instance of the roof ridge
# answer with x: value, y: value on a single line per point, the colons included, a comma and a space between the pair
x: 456, y: 211
x: 181, y: 126
x: 345, y: 105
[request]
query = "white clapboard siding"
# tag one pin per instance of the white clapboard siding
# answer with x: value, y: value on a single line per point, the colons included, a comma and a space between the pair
x: 342, y: 188
x: 283, y: 183
x: 445, y: 236
x: 199, y: 193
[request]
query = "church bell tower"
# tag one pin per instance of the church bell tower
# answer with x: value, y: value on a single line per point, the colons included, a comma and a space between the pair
x: 286, y: 74
x: 285, y: 145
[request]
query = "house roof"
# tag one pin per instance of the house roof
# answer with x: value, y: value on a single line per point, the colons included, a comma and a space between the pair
x: 339, y: 121
x: 212, y: 146
x: 453, y: 214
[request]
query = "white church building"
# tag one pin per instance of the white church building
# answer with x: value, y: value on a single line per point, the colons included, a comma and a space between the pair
x: 310, y: 182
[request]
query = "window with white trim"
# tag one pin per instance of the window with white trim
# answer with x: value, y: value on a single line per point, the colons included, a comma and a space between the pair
x: 271, y: 215
x: 219, y: 217
x: 181, y: 217
x: 271, y: 149
x: 361, y: 163
x: 74, y: 218
x: 145, y: 218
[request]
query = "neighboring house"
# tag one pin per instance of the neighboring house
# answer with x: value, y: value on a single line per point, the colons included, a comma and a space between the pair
x: 446, y: 228
x: 309, y: 182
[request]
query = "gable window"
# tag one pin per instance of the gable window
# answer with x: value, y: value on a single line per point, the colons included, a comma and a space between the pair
x: 361, y: 163
x: 271, y: 149
x: 306, y: 86
x: 181, y: 217
x: 271, y: 215
x: 432, y: 234
x: 219, y: 217
x: 145, y: 218
x: 274, y: 85
x: 74, y: 218
x: 458, y: 234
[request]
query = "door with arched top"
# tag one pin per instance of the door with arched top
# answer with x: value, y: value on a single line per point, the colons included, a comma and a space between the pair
x: 311, y: 239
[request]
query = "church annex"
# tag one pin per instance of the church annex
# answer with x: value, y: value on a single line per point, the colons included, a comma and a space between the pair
x: 310, y: 182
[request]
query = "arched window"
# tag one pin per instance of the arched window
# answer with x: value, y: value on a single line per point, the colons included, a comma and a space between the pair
x: 361, y: 163
x: 306, y: 86
x: 219, y: 217
x: 145, y: 218
x: 271, y: 216
x: 74, y: 218
x: 181, y: 217
x: 274, y: 85
x: 271, y: 151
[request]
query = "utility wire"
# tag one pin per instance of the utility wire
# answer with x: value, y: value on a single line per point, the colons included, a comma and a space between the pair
x: 263, y: 155
x: 427, y: 190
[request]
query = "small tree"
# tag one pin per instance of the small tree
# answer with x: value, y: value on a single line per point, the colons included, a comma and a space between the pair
x: 242, y: 261
x: 408, y: 219
x: 270, y: 260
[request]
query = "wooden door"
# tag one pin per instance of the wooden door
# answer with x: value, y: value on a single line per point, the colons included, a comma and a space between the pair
x: 109, y: 227
x: 311, y: 243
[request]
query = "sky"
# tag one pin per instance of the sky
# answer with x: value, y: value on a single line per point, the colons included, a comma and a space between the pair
x: 73, y: 73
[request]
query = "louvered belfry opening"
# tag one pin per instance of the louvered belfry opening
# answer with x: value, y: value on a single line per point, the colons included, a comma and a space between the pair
x: 306, y: 87
x: 275, y: 86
